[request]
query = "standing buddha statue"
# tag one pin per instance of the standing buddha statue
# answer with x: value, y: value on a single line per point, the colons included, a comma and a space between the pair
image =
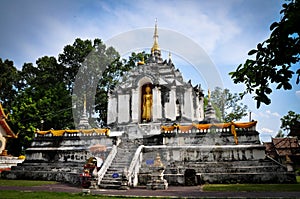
x: 147, y: 104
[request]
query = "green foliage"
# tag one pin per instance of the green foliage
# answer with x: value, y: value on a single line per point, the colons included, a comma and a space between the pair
x: 40, y: 96
x: 288, y: 120
x: 280, y: 134
x: 8, y: 78
x: 228, y: 106
x: 42, y: 102
x: 273, y: 58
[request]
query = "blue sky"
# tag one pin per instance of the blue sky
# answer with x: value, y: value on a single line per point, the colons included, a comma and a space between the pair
x: 225, y: 29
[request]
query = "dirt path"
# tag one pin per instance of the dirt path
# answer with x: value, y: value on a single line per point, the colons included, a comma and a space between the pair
x: 172, y: 191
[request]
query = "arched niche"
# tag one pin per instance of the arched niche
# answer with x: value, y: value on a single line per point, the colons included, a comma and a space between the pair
x: 142, y: 84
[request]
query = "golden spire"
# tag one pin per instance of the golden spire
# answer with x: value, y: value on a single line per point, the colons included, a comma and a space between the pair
x: 155, y: 37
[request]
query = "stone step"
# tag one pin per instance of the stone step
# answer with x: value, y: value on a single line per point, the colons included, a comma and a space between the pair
x: 268, y: 177
x: 112, y: 181
x: 221, y: 169
x: 111, y: 172
x: 120, y: 164
x: 109, y: 186
x: 46, y: 168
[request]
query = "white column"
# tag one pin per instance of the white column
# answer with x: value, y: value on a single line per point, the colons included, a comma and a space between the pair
x: 123, y: 108
x: 157, y: 108
x: 188, y: 111
x: 135, y: 105
x: 111, y: 109
x: 170, y: 107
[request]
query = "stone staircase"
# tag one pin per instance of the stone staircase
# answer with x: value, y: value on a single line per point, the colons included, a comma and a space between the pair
x: 113, y: 176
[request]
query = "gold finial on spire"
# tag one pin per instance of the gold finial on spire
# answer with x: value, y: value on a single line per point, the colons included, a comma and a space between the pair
x: 208, y: 94
x: 155, y: 37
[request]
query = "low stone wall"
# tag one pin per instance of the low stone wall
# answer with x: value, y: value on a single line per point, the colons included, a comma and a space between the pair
x: 224, y: 137
x: 59, y: 158
x: 6, y: 162
x: 191, y: 165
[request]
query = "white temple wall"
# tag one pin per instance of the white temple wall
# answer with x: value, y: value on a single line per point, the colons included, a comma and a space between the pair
x: 112, y: 109
x: 2, y: 140
x: 170, y: 107
x: 188, y: 111
x: 123, y: 108
x: 156, y: 108
x: 200, y: 109
x: 135, y: 105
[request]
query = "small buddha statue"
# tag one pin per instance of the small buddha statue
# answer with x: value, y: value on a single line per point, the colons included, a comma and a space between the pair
x: 147, y: 104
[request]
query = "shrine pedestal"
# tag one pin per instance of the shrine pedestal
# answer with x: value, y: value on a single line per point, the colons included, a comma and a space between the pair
x: 157, y: 180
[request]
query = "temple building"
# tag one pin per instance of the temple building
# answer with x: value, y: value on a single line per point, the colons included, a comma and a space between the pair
x: 154, y: 92
x: 158, y: 134
x: 5, y: 131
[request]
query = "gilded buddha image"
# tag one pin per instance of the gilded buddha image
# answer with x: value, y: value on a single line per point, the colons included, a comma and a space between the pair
x: 147, y: 104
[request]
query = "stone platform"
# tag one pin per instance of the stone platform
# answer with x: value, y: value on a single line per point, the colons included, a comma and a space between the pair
x: 6, y: 162
x: 189, y: 158
x: 58, y: 158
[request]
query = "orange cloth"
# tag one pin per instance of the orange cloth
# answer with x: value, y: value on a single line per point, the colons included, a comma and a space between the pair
x: 185, y: 128
x: 85, y: 131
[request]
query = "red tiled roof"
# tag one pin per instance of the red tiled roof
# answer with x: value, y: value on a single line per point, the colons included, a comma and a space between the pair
x: 286, y: 146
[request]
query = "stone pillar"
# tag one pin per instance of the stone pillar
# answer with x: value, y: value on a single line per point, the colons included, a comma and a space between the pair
x: 188, y: 111
x: 156, y: 107
x: 135, y: 105
x: 112, y: 109
x: 170, y: 107
x: 200, y: 108
x: 123, y: 108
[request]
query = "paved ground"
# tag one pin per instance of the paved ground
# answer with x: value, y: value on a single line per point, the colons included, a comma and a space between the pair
x: 173, y: 191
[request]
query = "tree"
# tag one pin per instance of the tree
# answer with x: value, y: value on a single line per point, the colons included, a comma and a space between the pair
x: 273, y: 58
x: 289, y: 120
x: 42, y: 101
x: 92, y: 66
x: 280, y: 134
x: 228, y: 105
x: 8, y: 79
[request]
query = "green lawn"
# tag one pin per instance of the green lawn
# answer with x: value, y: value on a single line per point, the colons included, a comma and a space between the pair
x: 50, y: 195
x: 24, y: 183
x: 253, y: 187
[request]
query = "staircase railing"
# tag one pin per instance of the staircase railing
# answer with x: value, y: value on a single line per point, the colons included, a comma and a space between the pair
x: 275, y: 161
x: 107, y: 163
x: 132, y: 175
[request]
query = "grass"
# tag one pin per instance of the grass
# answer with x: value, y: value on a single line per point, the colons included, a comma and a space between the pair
x: 24, y: 183
x: 62, y: 195
x: 50, y: 195
x: 254, y: 187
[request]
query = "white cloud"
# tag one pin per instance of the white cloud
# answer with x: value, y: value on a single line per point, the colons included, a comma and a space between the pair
x: 268, y: 114
x: 266, y: 130
x: 297, y: 93
x: 276, y: 114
